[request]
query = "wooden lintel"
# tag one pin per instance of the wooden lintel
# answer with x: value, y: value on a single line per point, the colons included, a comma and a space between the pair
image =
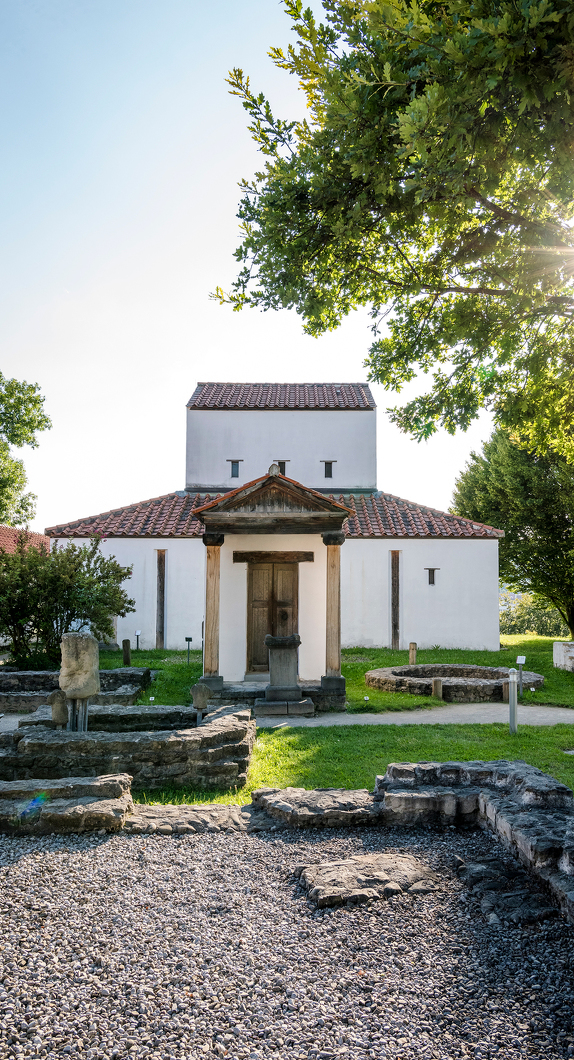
x: 273, y: 557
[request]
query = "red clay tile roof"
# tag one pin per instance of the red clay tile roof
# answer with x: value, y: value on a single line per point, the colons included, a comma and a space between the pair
x: 9, y: 537
x: 168, y: 516
x: 378, y: 515
x: 383, y: 515
x: 281, y: 396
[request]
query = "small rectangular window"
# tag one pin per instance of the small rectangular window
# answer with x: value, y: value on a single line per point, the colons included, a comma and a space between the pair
x: 431, y: 571
x: 328, y: 469
x: 281, y: 466
x: 235, y: 468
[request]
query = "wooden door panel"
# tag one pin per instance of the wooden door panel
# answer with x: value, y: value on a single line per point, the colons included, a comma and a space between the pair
x: 285, y: 586
x: 259, y: 603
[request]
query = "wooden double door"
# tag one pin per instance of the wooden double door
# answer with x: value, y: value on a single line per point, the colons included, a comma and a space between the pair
x: 272, y: 596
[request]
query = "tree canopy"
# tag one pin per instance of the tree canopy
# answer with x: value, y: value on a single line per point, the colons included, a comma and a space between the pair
x: 46, y: 594
x: 22, y: 416
x: 432, y: 182
x: 531, y: 497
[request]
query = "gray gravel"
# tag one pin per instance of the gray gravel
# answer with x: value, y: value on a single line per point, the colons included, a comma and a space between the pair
x: 203, y: 946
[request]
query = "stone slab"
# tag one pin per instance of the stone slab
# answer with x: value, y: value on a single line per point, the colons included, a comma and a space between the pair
x: 366, y: 878
x: 72, y: 804
x: 185, y: 819
x: 330, y: 807
x: 112, y: 786
x: 120, y: 717
x: 304, y: 708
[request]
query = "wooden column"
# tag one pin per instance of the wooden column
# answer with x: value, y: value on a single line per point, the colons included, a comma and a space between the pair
x: 333, y: 654
x: 395, y: 588
x: 160, y: 607
x: 211, y: 634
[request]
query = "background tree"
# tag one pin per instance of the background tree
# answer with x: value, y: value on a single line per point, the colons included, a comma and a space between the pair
x: 528, y: 613
x: 531, y: 497
x: 433, y: 183
x: 21, y: 417
x: 46, y: 594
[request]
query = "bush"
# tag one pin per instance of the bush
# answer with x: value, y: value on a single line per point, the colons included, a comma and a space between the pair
x: 531, y: 614
x: 46, y: 594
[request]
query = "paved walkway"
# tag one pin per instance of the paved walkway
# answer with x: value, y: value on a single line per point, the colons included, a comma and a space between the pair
x: 453, y: 714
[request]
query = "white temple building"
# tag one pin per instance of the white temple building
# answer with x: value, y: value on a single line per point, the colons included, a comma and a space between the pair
x: 281, y: 485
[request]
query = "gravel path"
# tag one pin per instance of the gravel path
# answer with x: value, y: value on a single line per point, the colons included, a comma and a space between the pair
x: 202, y: 946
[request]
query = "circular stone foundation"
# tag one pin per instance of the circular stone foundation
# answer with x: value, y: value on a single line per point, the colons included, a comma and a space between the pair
x: 460, y: 683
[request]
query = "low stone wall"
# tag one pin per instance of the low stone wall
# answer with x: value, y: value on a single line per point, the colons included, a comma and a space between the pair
x: 460, y: 683
x: 117, y: 717
x: 22, y: 691
x: 214, y: 755
x: 530, y: 812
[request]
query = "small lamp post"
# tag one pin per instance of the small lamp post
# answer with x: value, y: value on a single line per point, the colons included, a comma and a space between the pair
x: 138, y: 635
x: 189, y: 640
x: 520, y: 659
x: 512, y: 698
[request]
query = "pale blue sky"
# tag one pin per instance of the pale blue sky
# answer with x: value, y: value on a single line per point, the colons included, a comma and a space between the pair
x: 121, y: 153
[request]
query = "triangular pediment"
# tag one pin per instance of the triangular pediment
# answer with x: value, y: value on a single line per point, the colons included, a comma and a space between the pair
x: 273, y: 501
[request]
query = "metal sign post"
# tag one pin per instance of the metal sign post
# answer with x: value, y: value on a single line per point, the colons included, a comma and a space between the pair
x: 189, y: 640
x: 520, y: 659
x: 512, y: 698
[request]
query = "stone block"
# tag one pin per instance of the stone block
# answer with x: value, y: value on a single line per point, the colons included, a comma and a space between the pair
x: 80, y: 669
x: 563, y: 654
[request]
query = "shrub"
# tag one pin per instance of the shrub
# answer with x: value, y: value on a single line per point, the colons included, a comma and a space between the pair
x: 528, y: 613
x: 46, y: 594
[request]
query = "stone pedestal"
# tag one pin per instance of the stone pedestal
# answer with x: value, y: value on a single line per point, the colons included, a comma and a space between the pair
x: 214, y: 681
x: 333, y: 684
x: 283, y: 694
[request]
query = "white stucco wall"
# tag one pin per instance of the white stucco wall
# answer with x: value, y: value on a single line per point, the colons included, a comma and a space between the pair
x: 459, y: 611
x: 184, y: 587
x: 233, y: 602
x: 304, y: 438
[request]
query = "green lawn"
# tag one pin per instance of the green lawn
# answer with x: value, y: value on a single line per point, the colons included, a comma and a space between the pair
x: 351, y: 756
x: 174, y: 677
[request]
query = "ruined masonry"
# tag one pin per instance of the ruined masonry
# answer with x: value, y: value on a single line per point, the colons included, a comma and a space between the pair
x: 531, y: 814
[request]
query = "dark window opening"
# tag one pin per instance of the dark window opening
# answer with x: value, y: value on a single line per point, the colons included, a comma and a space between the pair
x: 281, y: 466
x: 235, y: 468
x: 328, y: 469
x: 431, y: 571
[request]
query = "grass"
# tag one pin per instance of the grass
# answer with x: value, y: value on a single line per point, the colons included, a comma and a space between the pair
x: 351, y: 756
x: 173, y: 679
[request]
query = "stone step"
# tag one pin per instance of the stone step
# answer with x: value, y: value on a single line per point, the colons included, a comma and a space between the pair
x: 305, y: 708
x: 71, y: 804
